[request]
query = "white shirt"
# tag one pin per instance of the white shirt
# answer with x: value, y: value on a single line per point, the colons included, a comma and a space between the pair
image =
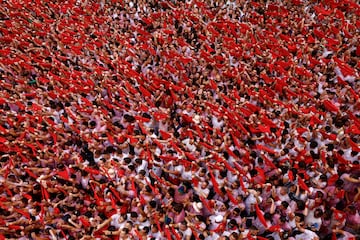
x: 115, y: 221
x: 313, y: 222
x: 307, y: 235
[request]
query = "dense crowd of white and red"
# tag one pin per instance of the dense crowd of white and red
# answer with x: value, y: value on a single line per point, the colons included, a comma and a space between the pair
x: 208, y: 119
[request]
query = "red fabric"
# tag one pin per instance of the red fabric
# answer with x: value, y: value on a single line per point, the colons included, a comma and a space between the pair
x: 215, y: 183
x: 167, y: 233
x: 242, y: 185
x: 330, y: 106
x: 27, y: 196
x: 302, y: 184
x: 265, y: 148
x: 30, y: 173
x: 165, y: 135
x: 333, y: 236
x: 333, y: 179
x: 339, y: 215
x: 45, y: 193
x: 220, y: 228
x: 22, y: 212
x: 84, y: 221
x: 275, y: 228
x: 260, y: 215
x: 177, y: 236
x: 133, y: 187
x: 63, y: 174
x: 206, y: 204
x: 268, y: 162
x: 354, y: 146
x: 231, y: 197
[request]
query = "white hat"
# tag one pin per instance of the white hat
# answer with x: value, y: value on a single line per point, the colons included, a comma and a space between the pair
x: 219, y: 218
x: 197, y: 206
x: 196, y: 119
x: 111, y: 172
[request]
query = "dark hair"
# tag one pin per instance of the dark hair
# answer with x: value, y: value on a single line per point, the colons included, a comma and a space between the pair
x: 285, y: 204
x: 313, y: 144
x: 134, y: 214
x: 300, y: 205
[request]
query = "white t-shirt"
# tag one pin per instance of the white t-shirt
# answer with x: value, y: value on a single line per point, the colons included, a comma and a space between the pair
x: 202, y: 191
x: 307, y: 235
x: 186, y: 233
x: 187, y: 175
x: 115, y: 221
x: 313, y: 222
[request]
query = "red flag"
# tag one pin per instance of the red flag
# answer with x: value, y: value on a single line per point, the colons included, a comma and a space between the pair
x: 291, y: 175
x: 116, y: 194
x: 63, y: 174
x: 302, y: 184
x: 22, y: 212
x: 206, y: 203
x: 333, y: 236
x: 133, y: 187
x: 160, y: 180
x: 220, y: 228
x: 339, y: 215
x: 340, y: 194
x: 260, y: 215
x: 190, y: 156
x: 340, y: 158
x: 2, y: 140
x: 196, y: 235
x: 167, y: 233
x: 27, y: 196
x: 330, y: 106
x: 354, y: 118
x: 195, y: 181
x: 30, y: 173
x: 268, y: 162
x: 235, y: 140
x: 333, y: 179
x: 231, y: 197
x: 215, y: 184
x: 84, y: 221
x: 264, y: 148
x: 228, y: 167
x: 165, y: 135
x: 14, y: 227
x: 153, y: 189
x: 42, y: 213
x: 275, y: 228
x: 177, y: 237
x: 138, y: 234
x: 242, y: 185
x: 144, y: 91
x: 354, y: 146
x: 156, y: 218
x: 110, y: 138
x: 45, y: 193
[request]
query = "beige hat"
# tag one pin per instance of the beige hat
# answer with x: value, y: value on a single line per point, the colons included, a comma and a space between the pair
x: 197, y: 206
x: 196, y: 119
x: 111, y: 172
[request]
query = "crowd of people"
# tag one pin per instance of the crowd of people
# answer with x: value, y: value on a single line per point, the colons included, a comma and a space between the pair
x: 179, y: 119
